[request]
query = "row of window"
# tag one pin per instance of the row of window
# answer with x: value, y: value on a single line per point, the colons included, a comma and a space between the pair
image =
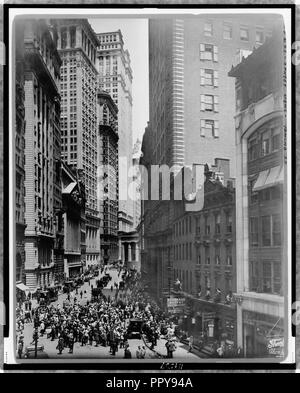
x: 184, y: 226
x: 186, y: 278
x: 107, y: 38
x: 64, y: 101
x: 217, y: 224
x: 208, y: 256
x: 264, y: 143
x: 265, y: 276
x: 65, y: 70
x: 183, y: 251
x: 243, y: 32
x: 269, y: 194
x: 265, y: 231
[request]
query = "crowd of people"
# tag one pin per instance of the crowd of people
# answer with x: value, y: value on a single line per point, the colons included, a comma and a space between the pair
x: 102, y: 322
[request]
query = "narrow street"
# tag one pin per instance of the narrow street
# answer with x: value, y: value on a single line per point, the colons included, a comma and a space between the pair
x: 93, y: 351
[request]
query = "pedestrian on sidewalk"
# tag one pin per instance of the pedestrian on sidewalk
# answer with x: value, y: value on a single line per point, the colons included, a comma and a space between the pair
x: 91, y: 334
x: 127, y: 352
x: 167, y: 345
x: 52, y: 334
x: 81, y: 293
x: 60, y: 345
x: 171, y: 347
x: 20, y: 347
x: 138, y: 353
x: 220, y: 351
x: 191, y: 343
x: 97, y: 337
x: 71, y: 342
x: 143, y: 352
x: 42, y: 328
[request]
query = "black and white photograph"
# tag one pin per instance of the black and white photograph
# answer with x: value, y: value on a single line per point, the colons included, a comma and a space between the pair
x: 149, y: 195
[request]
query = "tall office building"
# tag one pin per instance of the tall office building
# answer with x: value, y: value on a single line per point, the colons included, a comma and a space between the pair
x: 108, y: 175
x: 192, y: 105
x: 38, y: 77
x: 191, y: 96
x: 115, y: 77
x: 77, y: 46
x: 20, y: 156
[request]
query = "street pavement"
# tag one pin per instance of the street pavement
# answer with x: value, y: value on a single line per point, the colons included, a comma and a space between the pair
x: 100, y: 352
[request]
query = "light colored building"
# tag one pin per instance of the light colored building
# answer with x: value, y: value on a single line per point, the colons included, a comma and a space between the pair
x: 42, y: 197
x: 115, y: 77
x: 20, y: 157
x: 77, y: 46
x: 261, y: 201
x: 108, y: 175
x: 136, y: 182
x: 192, y: 105
x: 130, y: 242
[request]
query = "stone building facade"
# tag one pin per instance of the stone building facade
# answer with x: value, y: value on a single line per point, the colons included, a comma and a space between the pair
x: 77, y: 45
x: 73, y: 198
x: 261, y: 199
x: 115, y: 77
x: 42, y: 197
x: 108, y: 175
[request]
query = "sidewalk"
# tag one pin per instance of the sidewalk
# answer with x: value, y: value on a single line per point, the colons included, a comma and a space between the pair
x: 205, y: 350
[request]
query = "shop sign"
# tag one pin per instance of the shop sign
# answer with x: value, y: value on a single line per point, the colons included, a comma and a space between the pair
x: 275, y: 346
x: 175, y: 305
x: 175, y: 301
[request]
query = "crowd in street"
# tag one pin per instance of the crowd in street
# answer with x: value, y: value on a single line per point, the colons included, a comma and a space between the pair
x: 102, y: 322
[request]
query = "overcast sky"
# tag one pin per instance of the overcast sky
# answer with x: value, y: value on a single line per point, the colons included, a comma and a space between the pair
x: 135, y: 36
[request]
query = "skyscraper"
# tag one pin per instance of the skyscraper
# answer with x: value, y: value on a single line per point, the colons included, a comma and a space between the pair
x: 77, y: 46
x: 108, y: 175
x: 115, y: 77
x: 191, y: 96
x: 38, y: 74
x: 192, y: 106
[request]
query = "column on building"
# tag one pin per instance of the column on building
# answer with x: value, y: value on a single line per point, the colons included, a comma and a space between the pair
x: 129, y: 252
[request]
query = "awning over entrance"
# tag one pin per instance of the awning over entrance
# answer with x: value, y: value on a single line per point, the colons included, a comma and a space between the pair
x: 23, y: 287
x: 260, y: 182
x: 269, y: 178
